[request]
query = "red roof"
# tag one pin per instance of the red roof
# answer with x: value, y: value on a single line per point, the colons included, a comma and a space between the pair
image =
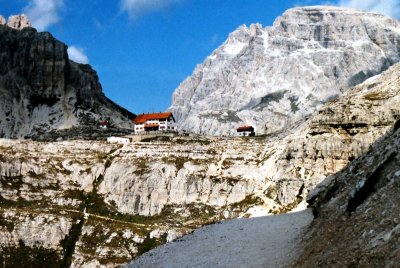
x: 142, y: 118
x: 245, y: 128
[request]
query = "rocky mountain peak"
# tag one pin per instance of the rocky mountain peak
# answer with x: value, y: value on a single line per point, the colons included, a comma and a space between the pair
x: 19, y: 22
x: 42, y: 90
x: 327, y: 23
x: 273, y: 77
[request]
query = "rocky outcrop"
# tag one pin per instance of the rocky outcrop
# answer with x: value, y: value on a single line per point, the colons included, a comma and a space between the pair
x: 216, y: 174
x: 336, y: 134
x: 19, y: 22
x: 275, y: 76
x: 41, y: 89
x: 356, y: 212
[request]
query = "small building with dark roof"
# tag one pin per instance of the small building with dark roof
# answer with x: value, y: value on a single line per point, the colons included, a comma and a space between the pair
x: 245, y: 131
x: 104, y: 124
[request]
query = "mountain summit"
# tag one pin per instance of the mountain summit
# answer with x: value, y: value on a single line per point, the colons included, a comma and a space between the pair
x: 273, y: 77
x: 42, y: 90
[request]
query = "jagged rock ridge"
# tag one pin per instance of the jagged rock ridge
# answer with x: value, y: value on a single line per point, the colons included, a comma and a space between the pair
x: 271, y: 77
x: 41, y: 89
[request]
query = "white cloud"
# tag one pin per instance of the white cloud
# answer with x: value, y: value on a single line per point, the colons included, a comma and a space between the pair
x: 43, y: 13
x: 78, y: 55
x: 387, y: 7
x: 136, y: 8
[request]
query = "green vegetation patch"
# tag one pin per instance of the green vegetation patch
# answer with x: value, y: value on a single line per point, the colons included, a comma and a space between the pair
x: 178, y: 162
x: 142, y: 166
x: 192, y: 141
x: 157, y: 139
x: 12, y: 182
x: 150, y: 243
x: 246, y: 203
x: 6, y: 223
x: 377, y: 96
x: 24, y: 256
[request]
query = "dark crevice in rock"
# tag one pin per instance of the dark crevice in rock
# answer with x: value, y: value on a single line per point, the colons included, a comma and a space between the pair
x: 37, y: 100
x: 69, y: 242
x: 349, y: 125
x: 396, y: 125
x: 93, y: 203
x: 369, y: 186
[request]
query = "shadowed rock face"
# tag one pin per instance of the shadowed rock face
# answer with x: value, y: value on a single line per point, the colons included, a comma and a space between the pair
x: 41, y: 89
x: 272, y: 77
x: 358, y: 209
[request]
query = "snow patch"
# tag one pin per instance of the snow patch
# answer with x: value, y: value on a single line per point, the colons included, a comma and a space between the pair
x: 234, y: 47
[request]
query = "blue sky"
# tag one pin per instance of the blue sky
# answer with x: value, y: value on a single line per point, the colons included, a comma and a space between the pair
x: 143, y: 49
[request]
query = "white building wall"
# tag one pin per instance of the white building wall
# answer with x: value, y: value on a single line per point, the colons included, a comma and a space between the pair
x: 164, y: 125
x: 118, y: 140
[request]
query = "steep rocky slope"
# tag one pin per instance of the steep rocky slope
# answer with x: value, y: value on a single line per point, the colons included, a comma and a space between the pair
x: 357, y: 212
x: 105, y: 204
x: 272, y: 77
x: 41, y: 89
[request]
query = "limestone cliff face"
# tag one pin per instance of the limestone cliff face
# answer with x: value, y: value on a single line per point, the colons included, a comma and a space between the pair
x: 336, y: 134
x: 272, y: 77
x: 41, y: 89
x: 103, y: 204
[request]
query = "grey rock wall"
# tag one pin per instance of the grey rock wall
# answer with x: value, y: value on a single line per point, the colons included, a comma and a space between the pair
x: 41, y: 89
x: 273, y: 77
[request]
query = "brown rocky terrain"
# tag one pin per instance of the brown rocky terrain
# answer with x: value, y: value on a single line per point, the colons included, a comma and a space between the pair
x: 357, y: 212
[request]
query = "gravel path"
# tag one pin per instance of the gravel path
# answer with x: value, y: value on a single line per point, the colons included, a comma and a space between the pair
x: 258, y: 242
